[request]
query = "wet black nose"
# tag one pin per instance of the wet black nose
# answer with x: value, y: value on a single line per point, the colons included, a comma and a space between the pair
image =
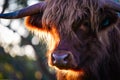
x: 61, y: 60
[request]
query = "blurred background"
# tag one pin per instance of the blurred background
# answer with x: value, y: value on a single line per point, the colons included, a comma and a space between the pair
x: 22, y: 54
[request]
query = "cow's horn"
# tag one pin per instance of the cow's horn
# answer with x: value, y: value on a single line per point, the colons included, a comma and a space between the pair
x: 36, y: 8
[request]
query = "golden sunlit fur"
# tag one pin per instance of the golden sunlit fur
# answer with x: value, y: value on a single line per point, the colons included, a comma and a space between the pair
x: 69, y: 75
x: 51, y: 36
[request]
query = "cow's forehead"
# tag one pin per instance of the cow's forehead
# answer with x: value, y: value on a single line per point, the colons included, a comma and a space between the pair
x: 60, y: 10
x: 63, y: 13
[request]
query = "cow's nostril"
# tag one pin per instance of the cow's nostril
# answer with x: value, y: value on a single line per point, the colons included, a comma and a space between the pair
x: 60, y: 59
x: 66, y: 57
x: 53, y: 58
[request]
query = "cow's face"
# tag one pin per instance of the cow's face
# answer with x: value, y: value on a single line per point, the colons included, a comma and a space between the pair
x: 83, y: 32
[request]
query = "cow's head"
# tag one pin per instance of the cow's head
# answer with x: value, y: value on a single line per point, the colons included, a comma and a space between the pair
x: 79, y: 29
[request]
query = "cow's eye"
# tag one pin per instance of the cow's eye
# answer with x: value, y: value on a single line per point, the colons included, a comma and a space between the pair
x: 106, y: 22
x: 86, y: 23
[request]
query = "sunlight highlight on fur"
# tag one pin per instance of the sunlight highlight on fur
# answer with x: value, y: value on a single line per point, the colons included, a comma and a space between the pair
x: 70, y: 74
x: 51, y: 36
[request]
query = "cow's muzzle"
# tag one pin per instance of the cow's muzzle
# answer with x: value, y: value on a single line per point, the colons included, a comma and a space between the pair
x: 63, y: 59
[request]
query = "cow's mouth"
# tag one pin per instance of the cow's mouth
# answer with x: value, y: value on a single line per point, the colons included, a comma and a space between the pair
x: 65, y: 66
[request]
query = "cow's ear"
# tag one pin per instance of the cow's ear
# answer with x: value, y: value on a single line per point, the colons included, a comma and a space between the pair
x: 34, y: 22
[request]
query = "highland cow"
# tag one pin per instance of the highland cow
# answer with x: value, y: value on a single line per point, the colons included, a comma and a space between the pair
x: 85, y: 43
